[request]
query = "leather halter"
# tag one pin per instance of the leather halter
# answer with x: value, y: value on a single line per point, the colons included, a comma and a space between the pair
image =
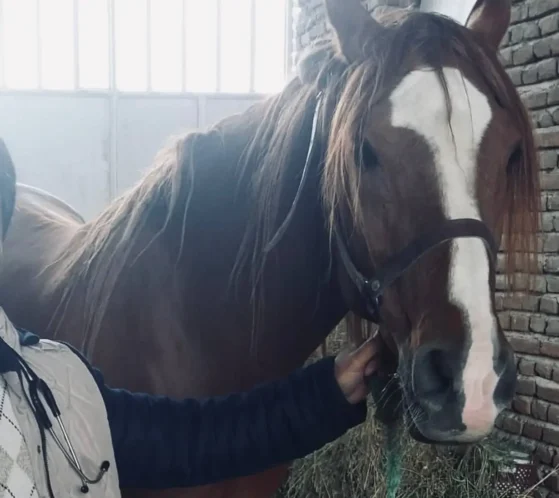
x: 370, y: 289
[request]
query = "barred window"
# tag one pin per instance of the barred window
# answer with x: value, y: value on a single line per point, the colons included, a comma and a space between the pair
x: 232, y: 46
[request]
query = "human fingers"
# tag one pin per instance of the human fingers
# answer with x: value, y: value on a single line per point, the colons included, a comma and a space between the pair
x: 371, y: 368
x: 364, y: 354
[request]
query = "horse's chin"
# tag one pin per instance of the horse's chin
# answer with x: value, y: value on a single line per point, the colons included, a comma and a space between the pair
x: 446, y: 439
x: 416, y: 434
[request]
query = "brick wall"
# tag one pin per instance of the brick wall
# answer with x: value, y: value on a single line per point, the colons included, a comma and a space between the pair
x: 530, y: 52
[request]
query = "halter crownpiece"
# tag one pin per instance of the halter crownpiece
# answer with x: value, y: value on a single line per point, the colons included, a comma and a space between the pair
x: 310, y: 152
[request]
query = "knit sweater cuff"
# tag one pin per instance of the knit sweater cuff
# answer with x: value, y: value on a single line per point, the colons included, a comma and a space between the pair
x: 339, y: 415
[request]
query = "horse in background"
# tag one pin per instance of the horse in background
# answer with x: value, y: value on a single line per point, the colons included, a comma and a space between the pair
x: 391, y: 130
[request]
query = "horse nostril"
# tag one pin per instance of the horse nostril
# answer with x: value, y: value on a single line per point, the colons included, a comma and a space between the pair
x: 433, y: 376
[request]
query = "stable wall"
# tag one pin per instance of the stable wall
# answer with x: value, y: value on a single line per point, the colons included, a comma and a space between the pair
x: 88, y: 147
x: 529, y: 51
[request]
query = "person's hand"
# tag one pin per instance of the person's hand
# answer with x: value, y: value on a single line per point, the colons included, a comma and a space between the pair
x: 353, y: 366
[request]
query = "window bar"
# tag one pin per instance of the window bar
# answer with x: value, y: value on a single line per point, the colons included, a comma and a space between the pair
x: 39, y: 51
x: 252, y: 44
x: 289, y: 32
x: 183, y: 46
x: 112, y: 43
x: 218, y: 51
x: 148, y: 48
x: 113, y: 103
x: 76, y: 24
x: 2, y: 43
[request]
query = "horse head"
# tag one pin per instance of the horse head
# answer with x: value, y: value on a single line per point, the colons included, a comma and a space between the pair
x: 423, y: 128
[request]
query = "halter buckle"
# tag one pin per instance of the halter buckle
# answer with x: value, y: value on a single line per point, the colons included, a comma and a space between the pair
x: 372, y: 292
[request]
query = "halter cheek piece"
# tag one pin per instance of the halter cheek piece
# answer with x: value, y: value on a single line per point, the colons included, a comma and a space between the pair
x: 370, y: 290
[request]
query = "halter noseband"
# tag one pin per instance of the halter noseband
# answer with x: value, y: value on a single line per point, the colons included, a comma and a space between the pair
x: 370, y: 290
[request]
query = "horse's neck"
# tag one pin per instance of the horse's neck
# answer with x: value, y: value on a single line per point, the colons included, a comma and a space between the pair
x: 295, y: 302
x: 295, y: 291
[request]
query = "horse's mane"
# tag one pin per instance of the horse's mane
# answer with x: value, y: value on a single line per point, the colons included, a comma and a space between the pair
x: 158, y: 204
x: 271, y: 141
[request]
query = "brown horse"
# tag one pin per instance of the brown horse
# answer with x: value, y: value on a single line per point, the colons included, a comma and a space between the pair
x: 177, y: 289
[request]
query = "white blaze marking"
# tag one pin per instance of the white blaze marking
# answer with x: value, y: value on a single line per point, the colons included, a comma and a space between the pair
x: 418, y: 103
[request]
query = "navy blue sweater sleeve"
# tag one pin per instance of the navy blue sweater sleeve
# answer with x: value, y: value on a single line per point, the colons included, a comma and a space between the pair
x: 163, y: 443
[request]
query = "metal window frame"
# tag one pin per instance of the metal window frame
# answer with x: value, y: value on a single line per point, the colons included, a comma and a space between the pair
x: 288, y: 56
x: 114, y: 96
x: 2, y: 38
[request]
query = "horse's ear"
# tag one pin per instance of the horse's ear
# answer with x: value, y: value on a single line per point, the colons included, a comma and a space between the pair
x: 354, y: 27
x: 490, y: 19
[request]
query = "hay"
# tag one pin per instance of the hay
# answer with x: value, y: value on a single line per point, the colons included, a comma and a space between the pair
x: 353, y: 466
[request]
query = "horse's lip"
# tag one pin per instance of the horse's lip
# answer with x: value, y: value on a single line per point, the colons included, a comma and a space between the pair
x: 418, y: 436
x: 414, y: 431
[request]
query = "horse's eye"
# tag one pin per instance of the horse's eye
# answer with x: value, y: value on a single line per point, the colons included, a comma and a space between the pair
x: 367, y: 156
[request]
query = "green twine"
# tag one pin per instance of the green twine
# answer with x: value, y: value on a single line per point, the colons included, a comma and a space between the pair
x: 393, y: 469
x: 387, y: 398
